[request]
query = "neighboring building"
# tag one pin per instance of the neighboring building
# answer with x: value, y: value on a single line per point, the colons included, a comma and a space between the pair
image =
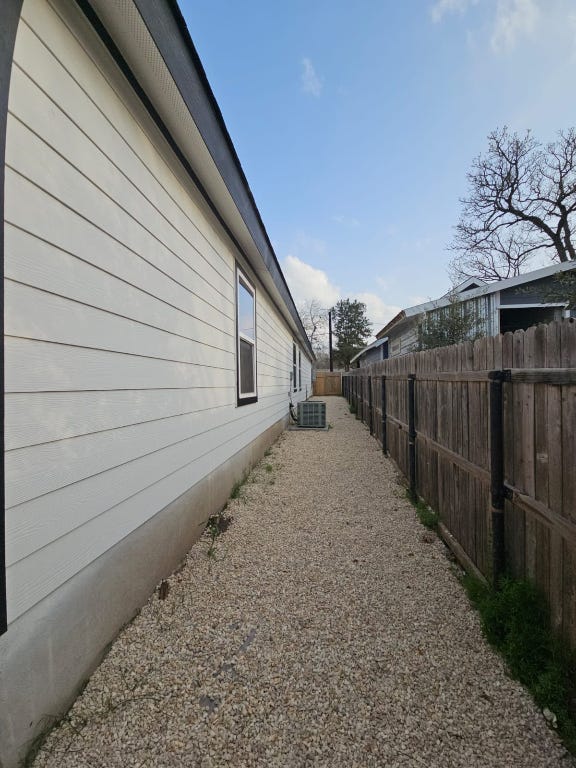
x: 151, y: 340
x: 373, y: 353
x: 506, y: 305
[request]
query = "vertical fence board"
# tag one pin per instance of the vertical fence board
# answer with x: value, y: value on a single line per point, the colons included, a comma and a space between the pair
x: 539, y: 446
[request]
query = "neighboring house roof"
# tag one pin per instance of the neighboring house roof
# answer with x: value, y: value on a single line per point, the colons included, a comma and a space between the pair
x: 150, y: 42
x: 466, y: 291
x: 374, y: 345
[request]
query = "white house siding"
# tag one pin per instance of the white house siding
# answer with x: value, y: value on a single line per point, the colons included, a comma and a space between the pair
x: 120, y: 317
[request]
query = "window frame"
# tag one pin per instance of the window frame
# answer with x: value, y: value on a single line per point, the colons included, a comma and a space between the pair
x: 242, y: 280
x: 299, y: 369
x: 294, y: 369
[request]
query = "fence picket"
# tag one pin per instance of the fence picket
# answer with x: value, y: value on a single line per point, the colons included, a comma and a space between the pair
x: 450, y: 470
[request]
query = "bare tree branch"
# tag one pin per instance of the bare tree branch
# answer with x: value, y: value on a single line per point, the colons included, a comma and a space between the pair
x: 315, y: 321
x: 522, y: 201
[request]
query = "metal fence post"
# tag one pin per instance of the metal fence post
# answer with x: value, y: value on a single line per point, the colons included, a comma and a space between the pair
x: 384, y: 436
x: 412, y: 435
x: 370, y: 406
x: 497, y: 491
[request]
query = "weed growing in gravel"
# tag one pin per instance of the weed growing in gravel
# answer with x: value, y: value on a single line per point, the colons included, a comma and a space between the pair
x: 269, y: 468
x: 427, y: 516
x: 516, y: 621
x: 215, y: 527
x: 268, y: 452
x: 236, y: 489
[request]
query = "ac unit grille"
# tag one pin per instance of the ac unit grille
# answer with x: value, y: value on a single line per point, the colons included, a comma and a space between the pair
x: 312, y: 414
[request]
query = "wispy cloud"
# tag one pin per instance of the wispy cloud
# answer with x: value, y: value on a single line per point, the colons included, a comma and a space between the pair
x: 311, y: 82
x: 346, y: 221
x: 511, y: 22
x: 515, y: 19
x: 443, y: 7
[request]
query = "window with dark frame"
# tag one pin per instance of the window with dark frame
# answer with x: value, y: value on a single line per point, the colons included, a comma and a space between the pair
x: 294, y: 380
x: 299, y: 370
x: 246, y: 339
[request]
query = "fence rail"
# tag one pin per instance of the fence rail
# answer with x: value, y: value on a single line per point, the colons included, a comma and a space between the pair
x: 485, y: 433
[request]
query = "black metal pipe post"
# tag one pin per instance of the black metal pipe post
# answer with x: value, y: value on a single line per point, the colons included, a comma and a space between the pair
x: 330, y: 340
x: 370, y: 406
x: 412, y: 434
x: 384, y: 436
x: 497, y: 492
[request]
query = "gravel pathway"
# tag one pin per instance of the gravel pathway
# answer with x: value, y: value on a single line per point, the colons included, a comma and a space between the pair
x: 329, y: 630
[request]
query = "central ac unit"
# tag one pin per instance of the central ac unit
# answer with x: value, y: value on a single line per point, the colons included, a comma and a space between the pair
x: 312, y: 414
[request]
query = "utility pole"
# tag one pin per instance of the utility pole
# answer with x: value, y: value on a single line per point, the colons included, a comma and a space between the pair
x: 330, y: 339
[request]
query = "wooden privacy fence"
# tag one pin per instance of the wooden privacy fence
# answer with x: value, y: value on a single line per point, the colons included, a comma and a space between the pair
x: 485, y: 432
x: 327, y: 383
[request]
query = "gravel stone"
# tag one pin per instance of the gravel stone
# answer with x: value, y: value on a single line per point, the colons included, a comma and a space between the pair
x: 329, y: 629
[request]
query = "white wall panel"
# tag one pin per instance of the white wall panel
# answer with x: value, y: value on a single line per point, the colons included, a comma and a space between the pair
x: 120, y: 316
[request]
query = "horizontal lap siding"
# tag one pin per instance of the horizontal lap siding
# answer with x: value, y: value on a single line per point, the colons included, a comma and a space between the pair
x: 120, y: 318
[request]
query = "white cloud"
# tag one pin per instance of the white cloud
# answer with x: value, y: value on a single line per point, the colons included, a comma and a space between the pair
x: 442, y: 7
x: 310, y: 80
x: 306, y: 282
x: 515, y: 19
x: 379, y: 313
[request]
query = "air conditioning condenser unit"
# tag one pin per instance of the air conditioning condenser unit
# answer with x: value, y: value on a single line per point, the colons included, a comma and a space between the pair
x: 312, y: 414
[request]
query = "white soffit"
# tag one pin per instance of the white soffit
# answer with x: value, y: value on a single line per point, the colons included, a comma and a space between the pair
x: 130, y: 34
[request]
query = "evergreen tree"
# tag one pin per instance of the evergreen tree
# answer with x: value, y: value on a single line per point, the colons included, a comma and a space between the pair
x: 352, y: 328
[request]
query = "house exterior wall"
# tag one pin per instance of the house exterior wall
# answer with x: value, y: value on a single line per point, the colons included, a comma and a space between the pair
x: 373, y: 356
x: 122, y: 427
x: 402, y: 341
x: 537, y: 292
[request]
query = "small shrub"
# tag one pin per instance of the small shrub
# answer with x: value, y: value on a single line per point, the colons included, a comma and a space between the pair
x: 516, y: 621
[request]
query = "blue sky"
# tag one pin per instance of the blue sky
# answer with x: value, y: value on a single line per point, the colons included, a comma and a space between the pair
x: 356, y: 123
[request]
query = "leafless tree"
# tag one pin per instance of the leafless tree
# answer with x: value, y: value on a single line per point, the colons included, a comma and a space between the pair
x: 522, y: 202
x: 315, y: 321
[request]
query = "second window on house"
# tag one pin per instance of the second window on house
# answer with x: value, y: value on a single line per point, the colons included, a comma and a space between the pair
x: 246, y: 325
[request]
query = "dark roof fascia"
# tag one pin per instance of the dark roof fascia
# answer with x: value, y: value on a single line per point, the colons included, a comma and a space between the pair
x: 8, y: 27
x: 169, y: 31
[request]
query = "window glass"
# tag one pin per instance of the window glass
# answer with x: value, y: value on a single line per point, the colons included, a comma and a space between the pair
x: 246, y: 367
x: 246, y: 340
x: 245, y: 310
